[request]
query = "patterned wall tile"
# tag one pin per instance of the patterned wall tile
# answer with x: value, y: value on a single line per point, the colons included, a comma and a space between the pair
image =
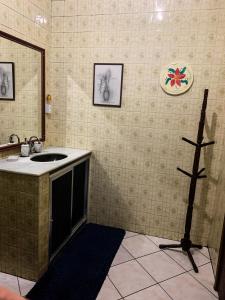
x: 137, y: 148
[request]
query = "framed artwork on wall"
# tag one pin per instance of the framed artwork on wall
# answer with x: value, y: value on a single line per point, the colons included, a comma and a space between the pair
x: 107, y: 84
x: 7, y: 81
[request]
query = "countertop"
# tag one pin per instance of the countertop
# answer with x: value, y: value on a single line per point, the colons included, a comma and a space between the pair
x: 26, y: 166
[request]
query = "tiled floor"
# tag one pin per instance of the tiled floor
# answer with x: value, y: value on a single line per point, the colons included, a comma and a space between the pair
x: 141, y: 271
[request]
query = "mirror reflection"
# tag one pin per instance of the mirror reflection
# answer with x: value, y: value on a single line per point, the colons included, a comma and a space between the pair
x: 20, y: 92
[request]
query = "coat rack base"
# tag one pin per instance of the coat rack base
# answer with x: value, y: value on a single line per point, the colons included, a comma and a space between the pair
x: 185, y: 245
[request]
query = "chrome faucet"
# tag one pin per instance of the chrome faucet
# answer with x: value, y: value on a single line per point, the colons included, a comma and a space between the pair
x: 31, y: 141
x: 11, y: 138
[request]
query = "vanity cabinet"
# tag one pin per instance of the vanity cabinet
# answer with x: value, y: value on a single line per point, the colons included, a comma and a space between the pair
x: 40, y: 211
x: 68, y: 203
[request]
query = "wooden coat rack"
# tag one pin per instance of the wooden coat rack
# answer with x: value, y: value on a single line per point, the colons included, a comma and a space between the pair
x: 186, y: 243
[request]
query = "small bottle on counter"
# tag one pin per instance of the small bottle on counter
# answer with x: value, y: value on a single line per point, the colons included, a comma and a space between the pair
x: 48, y: 105
x: 25, y: 148
x: 38, y: 146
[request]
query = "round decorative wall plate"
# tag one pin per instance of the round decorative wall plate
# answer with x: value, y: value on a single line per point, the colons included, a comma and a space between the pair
x: 176, y: 78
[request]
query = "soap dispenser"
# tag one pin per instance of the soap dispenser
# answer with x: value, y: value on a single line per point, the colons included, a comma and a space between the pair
x: 25, y: 148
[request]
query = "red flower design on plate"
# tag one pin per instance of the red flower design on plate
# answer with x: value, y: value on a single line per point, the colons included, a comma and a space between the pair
x: 176, y: 77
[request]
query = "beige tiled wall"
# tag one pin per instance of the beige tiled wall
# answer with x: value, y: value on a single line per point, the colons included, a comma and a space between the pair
x: 29, y: 20
x: 24, y: 224
x: 134, y: 182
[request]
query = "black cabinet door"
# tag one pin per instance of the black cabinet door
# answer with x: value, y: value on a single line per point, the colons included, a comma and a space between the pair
x: 61, y: 210
x: 80, y: 188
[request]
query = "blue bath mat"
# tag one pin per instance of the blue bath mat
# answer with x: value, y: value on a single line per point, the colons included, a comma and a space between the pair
x: 80, y: 270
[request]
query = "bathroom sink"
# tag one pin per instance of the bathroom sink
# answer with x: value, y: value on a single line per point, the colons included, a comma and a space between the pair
x: 47, y: 157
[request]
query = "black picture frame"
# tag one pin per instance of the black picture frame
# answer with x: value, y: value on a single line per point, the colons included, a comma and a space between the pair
x: 7, y: 81
x: 107, y: 84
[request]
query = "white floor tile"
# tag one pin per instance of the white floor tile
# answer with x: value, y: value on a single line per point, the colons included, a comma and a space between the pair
x: 25, y: 286
x: 130, y: 234
x: 206, y: 277
x: 122, y: 256
x: 139, y: 245
x: 181, y: 257
x: 186, y: 287
x: 153, y: 293
x: 108, y: 291
x: 158, y: 240
x: 130, y: 277
x: 160, y: 266
x: 10, y: 282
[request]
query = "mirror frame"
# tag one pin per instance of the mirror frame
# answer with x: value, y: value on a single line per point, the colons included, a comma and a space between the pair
x: 42, y: 52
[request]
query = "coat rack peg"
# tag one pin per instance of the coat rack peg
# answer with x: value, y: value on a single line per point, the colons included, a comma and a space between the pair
x: 199, y: 172
x: 207, y: 144
x: 184, y: 172
x: 186, y: 243
x: 189, y: 141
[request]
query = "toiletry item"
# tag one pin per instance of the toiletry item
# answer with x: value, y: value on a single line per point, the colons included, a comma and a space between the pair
x: 25, y: 148
x: 48, y: 105
x: 38, y: 146
x: 12, y: 158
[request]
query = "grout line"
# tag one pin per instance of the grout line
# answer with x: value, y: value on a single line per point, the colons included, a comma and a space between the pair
x: 19, y: 285
x: 208, y: 252
x: 141, y: 290
x: 175, y: 261
x: 125, y: 238
x: 180, y: 263
x: 164, y: 279
x: 152, y: 11
x: 202, y: 283
x: 115, y: 287
x: 122, y: 262
x: 166, y: 292
x: 211, y: 261
x: 146, y: 271
x: 132, y: 258
x: 141, y: 255
x: 164, y: 251
x: 30, y: 19
x: 159, y: 282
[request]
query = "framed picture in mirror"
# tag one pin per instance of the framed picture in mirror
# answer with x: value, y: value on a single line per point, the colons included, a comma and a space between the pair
x: 7, y: 81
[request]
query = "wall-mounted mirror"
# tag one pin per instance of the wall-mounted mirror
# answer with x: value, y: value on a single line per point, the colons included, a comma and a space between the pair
x: 22, y: 91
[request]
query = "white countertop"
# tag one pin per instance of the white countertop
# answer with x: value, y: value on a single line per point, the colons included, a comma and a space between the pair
x: 26, y: 166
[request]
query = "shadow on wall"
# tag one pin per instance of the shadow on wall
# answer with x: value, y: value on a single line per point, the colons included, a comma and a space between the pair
x: 108, y: 205
x: 205, y: 201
